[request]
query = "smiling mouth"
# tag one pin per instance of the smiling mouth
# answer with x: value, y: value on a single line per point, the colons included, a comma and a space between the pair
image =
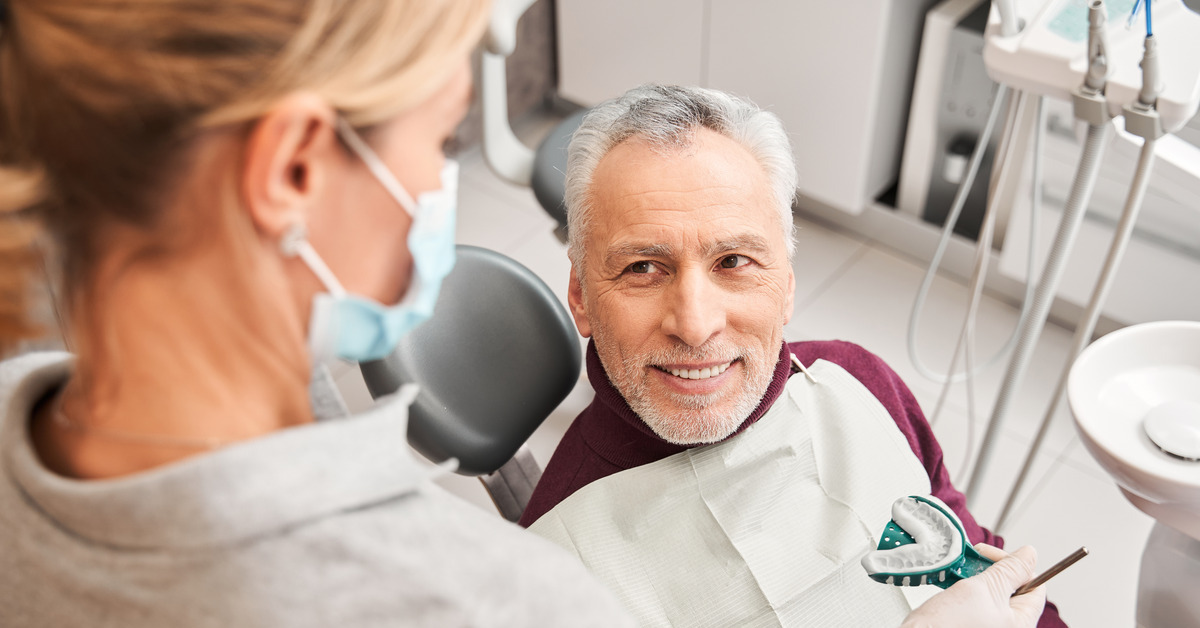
x: 704, y: 373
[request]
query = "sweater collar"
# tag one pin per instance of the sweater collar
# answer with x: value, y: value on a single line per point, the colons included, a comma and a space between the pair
x: 614, y: 431
x: 225, y: 497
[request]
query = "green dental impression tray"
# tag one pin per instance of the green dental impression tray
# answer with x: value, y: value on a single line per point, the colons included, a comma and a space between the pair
x: 924, y: 543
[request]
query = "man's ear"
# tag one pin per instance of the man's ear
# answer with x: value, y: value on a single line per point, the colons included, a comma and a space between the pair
x: 576, y: 305
x: 791, y: 296
x: 287, y: 158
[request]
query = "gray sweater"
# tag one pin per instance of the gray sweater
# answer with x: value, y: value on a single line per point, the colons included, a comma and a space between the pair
x: 329, y: 524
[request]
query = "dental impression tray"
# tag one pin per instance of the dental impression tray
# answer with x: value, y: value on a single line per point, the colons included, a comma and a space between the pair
x: 924, y: 543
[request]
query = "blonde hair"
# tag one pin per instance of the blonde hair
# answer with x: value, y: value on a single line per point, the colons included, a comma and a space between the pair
x: 99, y: 100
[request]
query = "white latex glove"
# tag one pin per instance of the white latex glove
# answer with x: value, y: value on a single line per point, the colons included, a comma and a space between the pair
x: 984, y: 600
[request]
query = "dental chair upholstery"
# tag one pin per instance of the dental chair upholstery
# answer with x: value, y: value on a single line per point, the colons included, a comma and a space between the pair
x: 498, y: 356
x: 550, y: 167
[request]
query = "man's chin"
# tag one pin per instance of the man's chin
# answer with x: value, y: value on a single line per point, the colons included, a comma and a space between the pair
x: 684, y: 426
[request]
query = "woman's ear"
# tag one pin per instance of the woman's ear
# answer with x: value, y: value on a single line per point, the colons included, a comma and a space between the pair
x: 289, y: 156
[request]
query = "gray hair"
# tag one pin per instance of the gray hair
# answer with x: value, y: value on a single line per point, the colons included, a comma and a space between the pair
x: 667, y: 117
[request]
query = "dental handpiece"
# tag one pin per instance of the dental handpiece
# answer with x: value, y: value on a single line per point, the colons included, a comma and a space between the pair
x: 1051, y: 572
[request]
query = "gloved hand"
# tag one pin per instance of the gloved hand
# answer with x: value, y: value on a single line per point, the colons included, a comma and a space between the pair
x: 984, y: 600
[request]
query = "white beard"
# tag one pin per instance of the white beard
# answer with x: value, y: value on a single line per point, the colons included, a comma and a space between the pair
x: 688, y: 419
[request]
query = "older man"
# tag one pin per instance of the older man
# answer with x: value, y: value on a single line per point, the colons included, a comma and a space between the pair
x: 705, y: 484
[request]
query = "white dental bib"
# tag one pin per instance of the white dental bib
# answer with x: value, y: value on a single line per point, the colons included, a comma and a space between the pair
x: 764, y: 529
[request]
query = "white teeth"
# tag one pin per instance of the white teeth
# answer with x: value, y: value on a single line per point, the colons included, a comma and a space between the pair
x: 704, y: 373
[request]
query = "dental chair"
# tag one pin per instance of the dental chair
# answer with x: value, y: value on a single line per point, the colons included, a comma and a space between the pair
x: 498, y: 356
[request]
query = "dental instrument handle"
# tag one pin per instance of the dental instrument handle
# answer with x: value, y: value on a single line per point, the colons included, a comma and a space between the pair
x: 1097, y: 71
x: 1051, y: 572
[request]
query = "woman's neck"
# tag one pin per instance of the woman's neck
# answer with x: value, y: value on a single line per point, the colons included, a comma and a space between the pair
x: 176, y: 355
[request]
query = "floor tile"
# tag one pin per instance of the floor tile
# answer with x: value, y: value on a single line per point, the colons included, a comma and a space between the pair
x: 1073, y: 509
x: 821, y: 253
x: 542, y: 252
x: 870, y: 303
x: 492, y: 219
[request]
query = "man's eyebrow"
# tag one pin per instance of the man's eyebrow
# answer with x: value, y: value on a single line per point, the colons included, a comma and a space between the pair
x: 749, y: 241
x: 618, y: 251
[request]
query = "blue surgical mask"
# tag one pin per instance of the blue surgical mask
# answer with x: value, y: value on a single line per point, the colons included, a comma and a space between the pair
x: 356, y: 328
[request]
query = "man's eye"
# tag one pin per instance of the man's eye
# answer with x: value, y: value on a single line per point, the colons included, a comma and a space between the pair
x: 641, y: 268
x: 734, y: 261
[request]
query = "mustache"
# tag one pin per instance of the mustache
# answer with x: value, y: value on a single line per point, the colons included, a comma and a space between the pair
x: 704, y: 353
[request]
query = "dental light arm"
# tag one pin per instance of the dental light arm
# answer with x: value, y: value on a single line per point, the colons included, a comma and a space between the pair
x: 507, y: 156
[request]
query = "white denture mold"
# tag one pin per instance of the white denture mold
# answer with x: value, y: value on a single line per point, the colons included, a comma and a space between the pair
x: 924, y: 543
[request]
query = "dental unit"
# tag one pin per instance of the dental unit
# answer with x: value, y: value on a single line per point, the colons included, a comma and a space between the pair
x: 1133, y: 393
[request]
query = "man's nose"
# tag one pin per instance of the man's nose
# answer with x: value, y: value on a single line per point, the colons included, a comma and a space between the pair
x: 696, y: 311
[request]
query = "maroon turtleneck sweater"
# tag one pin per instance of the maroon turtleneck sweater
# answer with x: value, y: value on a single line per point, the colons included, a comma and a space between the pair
x: 608, y: 437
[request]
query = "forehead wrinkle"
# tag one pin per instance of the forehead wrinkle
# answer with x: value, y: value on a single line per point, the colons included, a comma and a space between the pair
x: 632, y: 249
x: 702, y: 195
x: 746, y: 241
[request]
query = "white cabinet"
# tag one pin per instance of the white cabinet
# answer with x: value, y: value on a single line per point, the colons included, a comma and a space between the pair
x: 606, y: 47
x: 839, y: 74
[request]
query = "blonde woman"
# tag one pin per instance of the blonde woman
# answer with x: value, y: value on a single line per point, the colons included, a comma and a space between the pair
x: 229, y: 192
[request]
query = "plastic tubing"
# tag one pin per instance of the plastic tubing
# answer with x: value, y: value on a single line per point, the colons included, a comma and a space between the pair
x: 1083, y: 332
x: 967, y: 336
x: 1031, y: 327
x: 960, y: 199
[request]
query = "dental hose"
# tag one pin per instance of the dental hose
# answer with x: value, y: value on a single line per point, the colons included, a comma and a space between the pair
x: 1141, y: 119
x: 960, y: 199
x: 982, y: 251
x: 1090, y: 105
x: 1009, y: 25
x: 1031, y: 327
x: 1083, y: 333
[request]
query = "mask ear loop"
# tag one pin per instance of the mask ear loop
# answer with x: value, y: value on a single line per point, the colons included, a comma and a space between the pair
x: 375, y: 165
x: 295, y: 243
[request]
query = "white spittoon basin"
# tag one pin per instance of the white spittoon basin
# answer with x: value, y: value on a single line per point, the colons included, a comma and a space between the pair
x: 1135, y: 397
